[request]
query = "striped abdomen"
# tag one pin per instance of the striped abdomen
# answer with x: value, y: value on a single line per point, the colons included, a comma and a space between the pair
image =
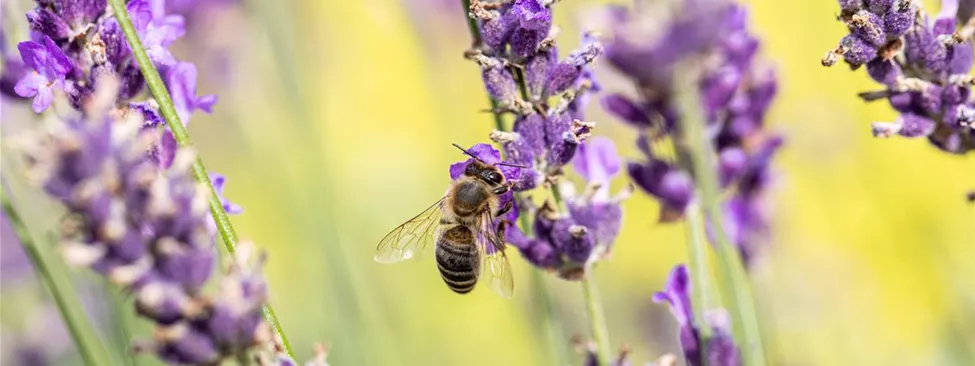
x: 458, y: 259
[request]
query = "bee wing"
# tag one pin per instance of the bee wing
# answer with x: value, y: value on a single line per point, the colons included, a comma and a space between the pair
x: 408, y: 239
x: 495, y: 262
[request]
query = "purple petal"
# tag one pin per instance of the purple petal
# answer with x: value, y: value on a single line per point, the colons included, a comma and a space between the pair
x: 626, y: 110
x: 43, y: 99
x: 218, y: 181
x: 181, y: 81
x: 596, y: 160
x: 677, y: 293
x: 45, y: 21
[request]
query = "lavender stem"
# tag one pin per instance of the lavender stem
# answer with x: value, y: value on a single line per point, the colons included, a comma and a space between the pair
x: 159, y: 92
x: 698, y: 148
x: 597, y: 321
x: 53, y: 276
x: 698, y: 265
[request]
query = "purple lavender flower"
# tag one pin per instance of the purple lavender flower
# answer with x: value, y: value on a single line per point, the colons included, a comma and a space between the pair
x: 721, y: 350
x: 735, y: 95
x: 181, y: 83
x: 50, y: 67
x: 13, y: 68
x: 145, y: 228
x: 923, y: 64
x: 648, y: 54
x: 569, y: 243
x: 156, y: 30
x: 76, y: 45
x: 218, y: 180
x: 522, y: 72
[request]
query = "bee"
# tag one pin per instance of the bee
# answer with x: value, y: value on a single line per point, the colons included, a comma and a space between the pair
x: 462, y: 224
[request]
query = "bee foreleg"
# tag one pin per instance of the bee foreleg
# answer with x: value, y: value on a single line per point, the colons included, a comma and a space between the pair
x: 501, y: 190
x: 504, y: 209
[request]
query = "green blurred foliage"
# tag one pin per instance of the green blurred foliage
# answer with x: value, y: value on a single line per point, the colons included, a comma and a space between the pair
x: 335, y: 122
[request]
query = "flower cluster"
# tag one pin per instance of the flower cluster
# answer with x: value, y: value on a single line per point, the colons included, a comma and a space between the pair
x: 74, y: 44
x: 145, y: 229
x: 923, y: 64
x: 522, y: 72
x: 569, y: 242
x: 721, y: 349
x: 735, y: 96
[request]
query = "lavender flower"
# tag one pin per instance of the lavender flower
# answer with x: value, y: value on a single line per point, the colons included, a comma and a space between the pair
x: 522, y: 71
x: 924, y: 66
x: 145, y: 229
x: 75, y: 45
x: 735, y: 94
x: 181, y: 82
x: 721, y: 350
x: 569, y: 243
x: 50, y: 66
x: 77, y: 48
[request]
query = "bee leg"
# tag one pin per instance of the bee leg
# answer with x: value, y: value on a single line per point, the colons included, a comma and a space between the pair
x: 504, y: 209
x: 501, y: 190
x: 502, y: 227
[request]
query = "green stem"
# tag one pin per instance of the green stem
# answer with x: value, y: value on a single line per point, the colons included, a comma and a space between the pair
x: 158, y: 89
x: 597, y: 321
x: 698, y: 265
x: 698, y: 148
x: 53, y: 276
x: 120, y: 323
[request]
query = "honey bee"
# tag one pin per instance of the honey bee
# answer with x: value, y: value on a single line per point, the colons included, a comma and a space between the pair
x: 462, y: 225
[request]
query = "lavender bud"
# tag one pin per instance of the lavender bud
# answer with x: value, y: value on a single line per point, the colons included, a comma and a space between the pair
x: 45, y: 21
x: 626, y: 110
x: 533, y: 23
x: 869, y: 27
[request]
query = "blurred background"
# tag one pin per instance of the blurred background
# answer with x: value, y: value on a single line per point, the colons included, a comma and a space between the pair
x: 334, y: 125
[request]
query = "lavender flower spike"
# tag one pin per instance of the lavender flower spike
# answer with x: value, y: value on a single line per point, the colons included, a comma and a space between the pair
x: 50, y: 66
x: 570, y: 243
x: 721, y: 350
x: 736, y: 95
x: 923, y: 64
x: 145, y: 229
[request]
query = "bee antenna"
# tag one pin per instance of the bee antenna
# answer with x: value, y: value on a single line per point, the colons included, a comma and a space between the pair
x: 468, y: 153
x: 512, y: 165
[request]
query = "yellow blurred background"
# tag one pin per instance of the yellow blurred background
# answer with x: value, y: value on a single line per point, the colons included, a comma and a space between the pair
x: 334, y: 125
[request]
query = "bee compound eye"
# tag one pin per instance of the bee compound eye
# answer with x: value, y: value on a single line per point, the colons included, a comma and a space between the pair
x: 495, y: 177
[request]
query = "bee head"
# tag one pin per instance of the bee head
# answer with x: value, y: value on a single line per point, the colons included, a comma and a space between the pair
x: 484, y: 171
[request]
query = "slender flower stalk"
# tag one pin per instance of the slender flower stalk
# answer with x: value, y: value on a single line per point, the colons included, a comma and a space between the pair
x: 597, y: 320
x: 168, y: 110
x: 700, y: 292
x: 52, y: 274
x: 698, y: 148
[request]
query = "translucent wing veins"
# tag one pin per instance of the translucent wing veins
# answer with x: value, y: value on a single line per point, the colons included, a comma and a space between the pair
x: 408, y: 239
